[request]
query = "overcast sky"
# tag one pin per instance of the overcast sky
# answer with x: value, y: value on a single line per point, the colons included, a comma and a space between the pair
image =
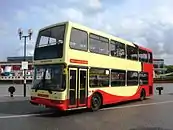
x: 146, y: 22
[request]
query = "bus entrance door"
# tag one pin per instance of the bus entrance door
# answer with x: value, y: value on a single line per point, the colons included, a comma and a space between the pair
x: 82, y: 87
x: 77, y: 88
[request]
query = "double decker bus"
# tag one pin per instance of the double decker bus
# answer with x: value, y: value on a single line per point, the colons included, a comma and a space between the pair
x: 78, y: 67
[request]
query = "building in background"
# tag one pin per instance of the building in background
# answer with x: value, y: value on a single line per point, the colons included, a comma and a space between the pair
x: 19, y: 59
x: 159, y: 67
x: 11, y: 69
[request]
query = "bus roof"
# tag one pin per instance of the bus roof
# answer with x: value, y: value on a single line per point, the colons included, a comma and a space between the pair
x: 100, y: 33
x: 97, y: 32
x: 52, y: 25
x: 146, y: 49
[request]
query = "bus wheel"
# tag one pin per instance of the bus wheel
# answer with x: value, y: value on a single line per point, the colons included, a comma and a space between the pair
x: 142, y: 95
x: 96, y: 102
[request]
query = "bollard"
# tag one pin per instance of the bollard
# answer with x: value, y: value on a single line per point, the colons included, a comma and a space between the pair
x: 160, y: 90
x: 11, y: 90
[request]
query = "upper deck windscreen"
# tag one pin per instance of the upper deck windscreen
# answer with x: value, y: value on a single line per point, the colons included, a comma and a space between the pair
x: 50, y: 43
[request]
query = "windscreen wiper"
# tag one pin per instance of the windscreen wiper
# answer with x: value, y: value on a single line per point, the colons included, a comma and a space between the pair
x: 41, y: 83
x: 38, y: 86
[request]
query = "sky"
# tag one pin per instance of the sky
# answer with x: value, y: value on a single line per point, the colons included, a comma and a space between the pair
x: 145, y: 22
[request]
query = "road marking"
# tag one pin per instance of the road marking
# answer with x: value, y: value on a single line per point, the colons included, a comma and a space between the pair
x: 111, y: 108
x: 27, y: 115
x: 137, y: 105
x: 13, y: 95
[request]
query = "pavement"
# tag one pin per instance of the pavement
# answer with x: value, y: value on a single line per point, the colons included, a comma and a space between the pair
x: 154, y: 113
x: 18, y: 87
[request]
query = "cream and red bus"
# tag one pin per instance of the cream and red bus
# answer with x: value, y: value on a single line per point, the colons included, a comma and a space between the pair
x: 78, y: 67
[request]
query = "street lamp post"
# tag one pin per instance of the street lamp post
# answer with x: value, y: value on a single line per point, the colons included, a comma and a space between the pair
x: 25, y: 37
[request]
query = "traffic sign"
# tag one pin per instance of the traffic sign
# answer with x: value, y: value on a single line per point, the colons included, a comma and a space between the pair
x: 24, y: 65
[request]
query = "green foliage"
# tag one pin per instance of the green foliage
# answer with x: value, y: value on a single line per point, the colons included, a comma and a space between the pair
x: 169, y: 68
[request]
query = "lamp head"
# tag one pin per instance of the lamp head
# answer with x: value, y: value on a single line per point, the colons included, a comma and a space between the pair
x: 20, y: 32
x: 30, y: 32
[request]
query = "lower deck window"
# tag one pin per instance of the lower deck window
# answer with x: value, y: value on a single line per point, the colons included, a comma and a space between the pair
x: 132, y: 78
x: 98, y: 77
x: 143, y: 78
x: 118, y: 78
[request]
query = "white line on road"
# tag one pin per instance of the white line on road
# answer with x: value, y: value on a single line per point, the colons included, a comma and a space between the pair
x: 111, y: 108
x: 27, y: 115
x: 137, y: 105
x: 13, y: 95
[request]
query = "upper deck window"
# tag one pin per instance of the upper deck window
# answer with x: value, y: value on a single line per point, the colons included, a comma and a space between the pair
x: 79, y: 40
x: 143, y: 56
x: 49, y: 43
x: 98, y: 44
x: 51, y: 36
x: 132, y: 53
x: 117, y: 49
x: 150, y: 57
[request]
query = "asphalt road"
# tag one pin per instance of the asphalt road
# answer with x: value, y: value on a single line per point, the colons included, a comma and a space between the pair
x: 17, y: 114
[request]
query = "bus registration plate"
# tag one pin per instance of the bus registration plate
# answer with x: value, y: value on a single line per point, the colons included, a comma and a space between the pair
x: 41, y: 105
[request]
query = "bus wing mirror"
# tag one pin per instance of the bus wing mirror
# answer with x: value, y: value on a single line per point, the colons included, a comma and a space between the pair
x: 65, y: 71
x: 107, y: 72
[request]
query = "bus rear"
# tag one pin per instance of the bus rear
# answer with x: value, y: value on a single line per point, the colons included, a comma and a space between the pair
x: 49, y: 81
x: 147, y: 66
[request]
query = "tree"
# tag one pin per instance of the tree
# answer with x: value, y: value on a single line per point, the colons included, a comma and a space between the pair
x: 169, y: 68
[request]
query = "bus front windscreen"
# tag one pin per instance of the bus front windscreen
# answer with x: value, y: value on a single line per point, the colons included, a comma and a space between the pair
x: 49, y: 77
x: 49, y: 43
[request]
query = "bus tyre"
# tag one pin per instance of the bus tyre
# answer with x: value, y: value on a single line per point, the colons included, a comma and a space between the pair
x: 142, y: 95
x: 96, y: 102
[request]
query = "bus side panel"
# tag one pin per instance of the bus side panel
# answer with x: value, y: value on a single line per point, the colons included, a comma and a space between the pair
x: 111, y: 99
x: 148, y: 67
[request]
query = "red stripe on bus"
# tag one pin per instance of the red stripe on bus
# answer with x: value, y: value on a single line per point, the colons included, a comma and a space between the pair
x: 78, y: 61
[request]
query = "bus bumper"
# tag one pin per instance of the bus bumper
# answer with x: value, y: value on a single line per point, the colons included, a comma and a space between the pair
x: 60, y: 105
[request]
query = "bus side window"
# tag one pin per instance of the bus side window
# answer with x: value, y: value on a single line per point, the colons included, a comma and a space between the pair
x: 132, y: 78
x: 98, y: 77
x: 143, y: 56
x: 143, y: 78
x: 132, y: 53
x: 79, y: 40
x: 150, y: 57
x: 98, y: 44
x: 117, y: 49
x: 118, y: 78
